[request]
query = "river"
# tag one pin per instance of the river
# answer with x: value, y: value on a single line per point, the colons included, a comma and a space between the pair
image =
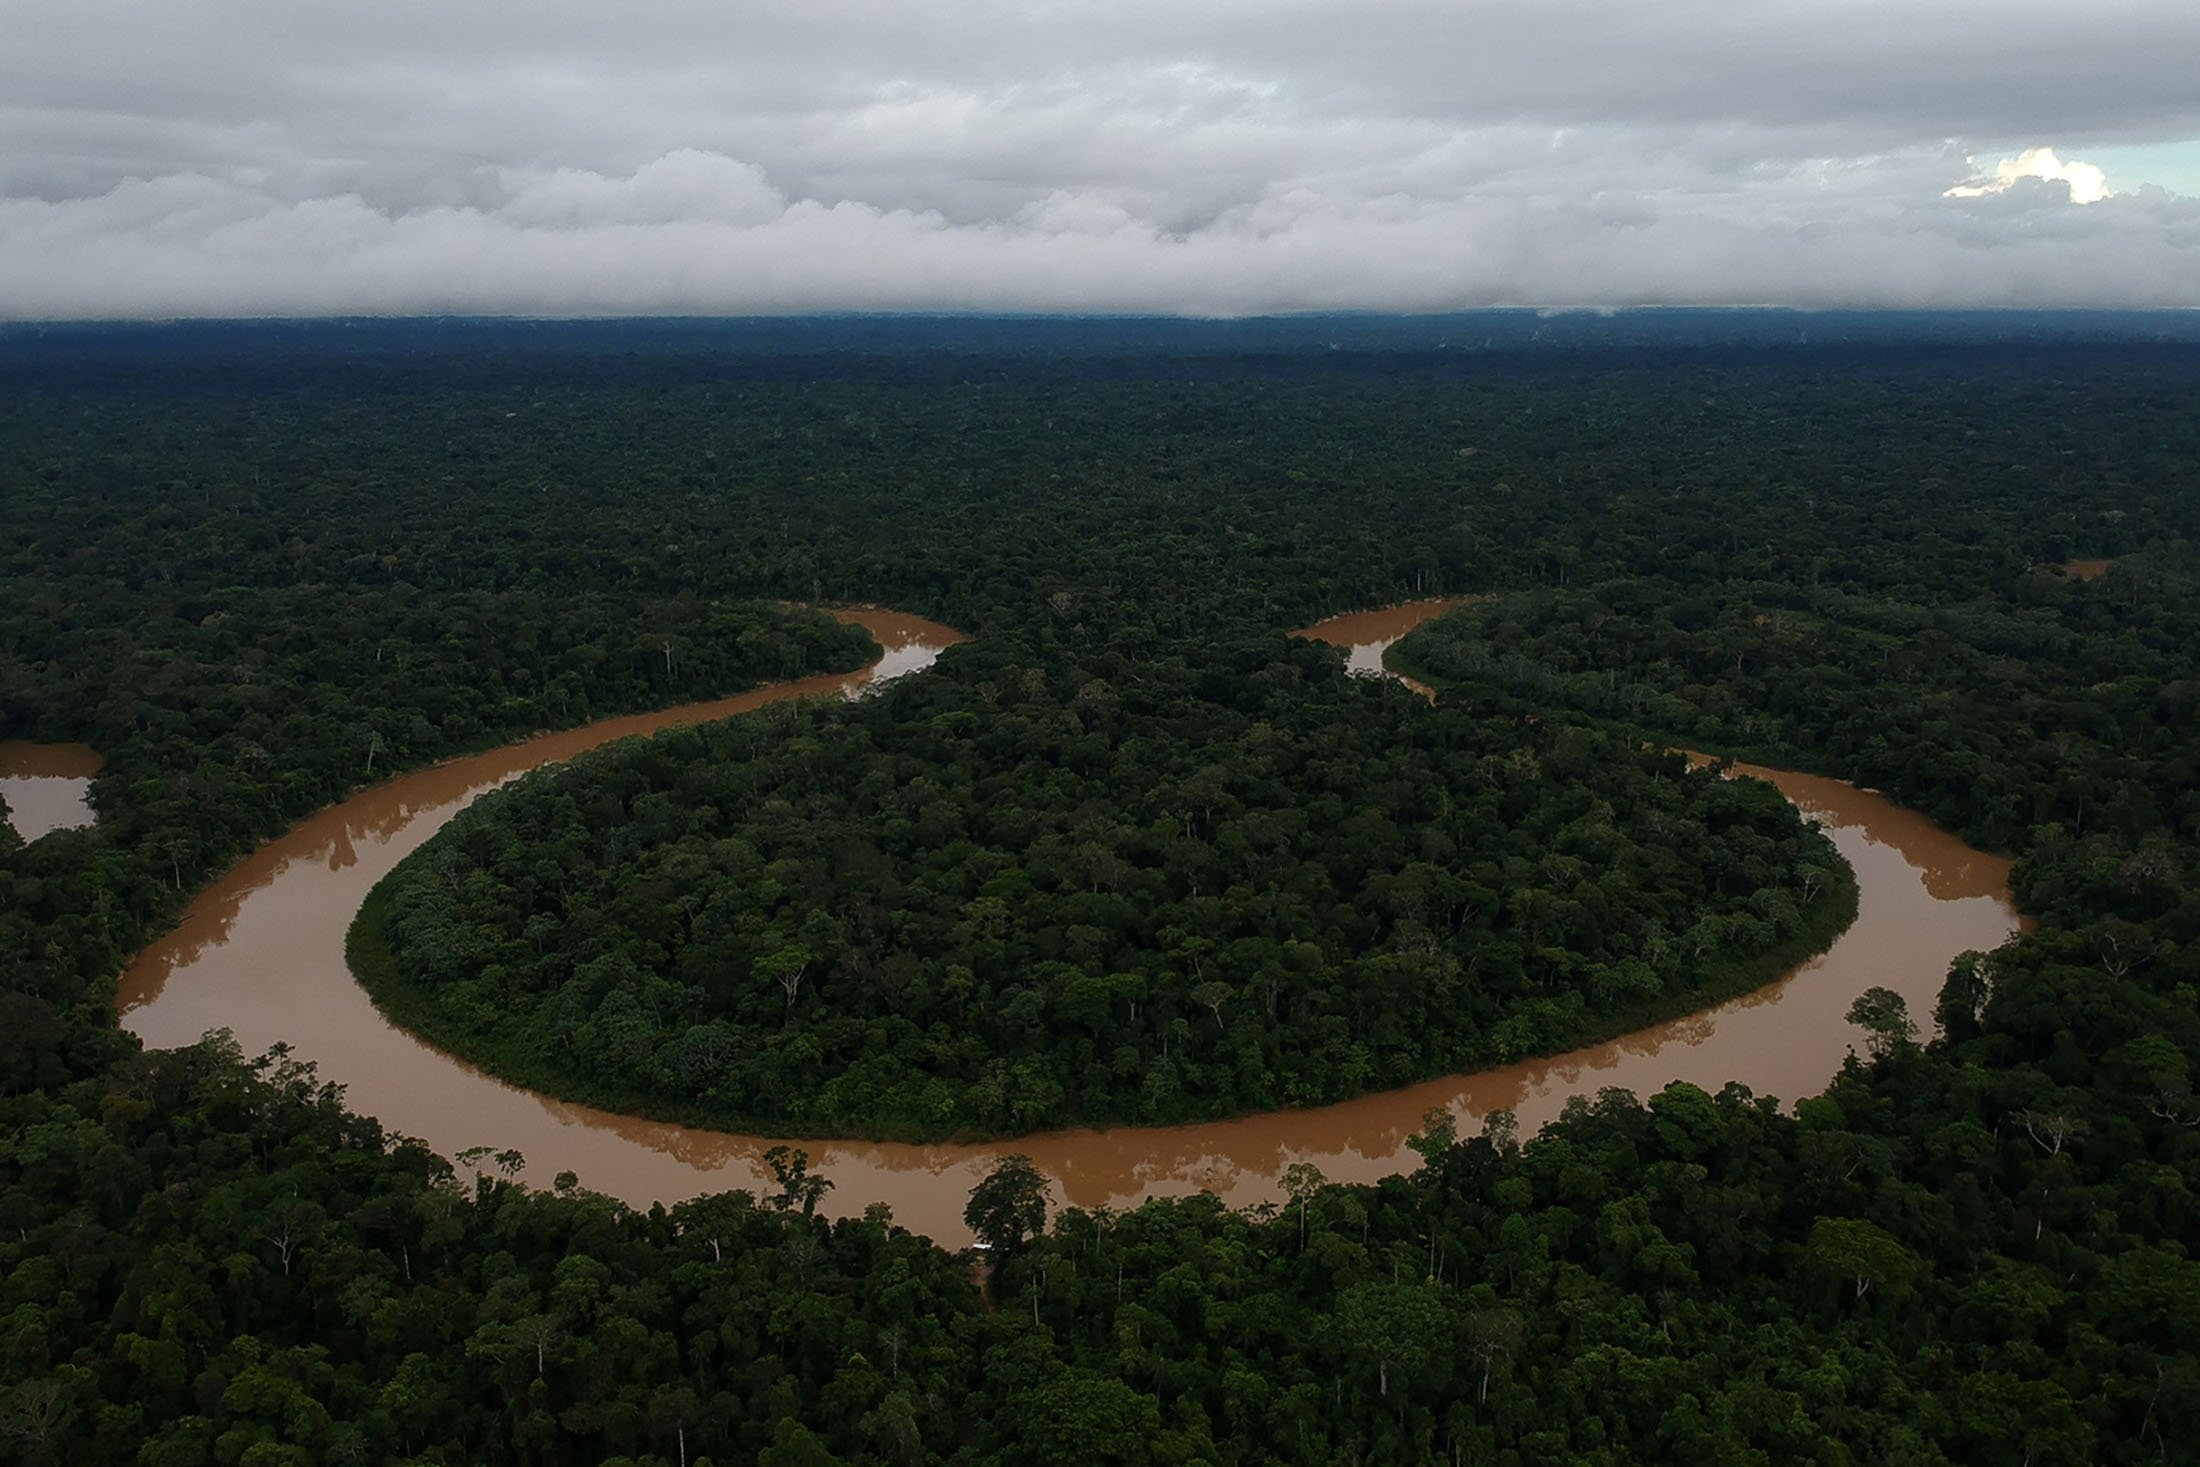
x: 261, y: 953
x: 47, y: 786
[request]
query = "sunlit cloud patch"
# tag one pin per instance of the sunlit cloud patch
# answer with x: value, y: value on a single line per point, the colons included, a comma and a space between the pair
x: 2087, y: 184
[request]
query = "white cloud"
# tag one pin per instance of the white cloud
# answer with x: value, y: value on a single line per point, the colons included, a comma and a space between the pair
x: 2087, y: 184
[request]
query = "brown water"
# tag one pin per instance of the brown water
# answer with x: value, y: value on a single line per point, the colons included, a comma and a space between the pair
x: 2085, y: 570
x: 1367, y: 635
x: 262, y: 954
x: 47, y: 786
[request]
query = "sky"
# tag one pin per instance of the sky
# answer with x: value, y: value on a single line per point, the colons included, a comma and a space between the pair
x: 1202, y: 157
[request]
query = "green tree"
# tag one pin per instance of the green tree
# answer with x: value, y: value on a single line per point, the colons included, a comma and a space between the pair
x: 1080, y: 1416
x: 1399, y: 1326
x: 790, y: 1168
x: 1884, y: 1016
x: 795, y: 1445
x: 1862, y: 1252
x: 1009, y: 1206
x: 1302, y: 1181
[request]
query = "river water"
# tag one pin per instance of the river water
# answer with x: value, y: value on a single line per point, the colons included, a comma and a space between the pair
x: 1367, y: 635
x: 262, y: 954
x: 47, y: 786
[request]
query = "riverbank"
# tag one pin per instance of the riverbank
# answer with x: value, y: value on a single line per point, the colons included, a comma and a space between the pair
x: 419, y: 1011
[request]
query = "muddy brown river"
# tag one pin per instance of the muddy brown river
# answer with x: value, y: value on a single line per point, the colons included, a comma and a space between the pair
x: 261, y: 953
x: 1367, y: 635
x: 47, y: 786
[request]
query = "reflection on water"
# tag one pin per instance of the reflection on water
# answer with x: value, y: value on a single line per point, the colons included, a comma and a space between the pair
x: 47, y: 786
x: 262, y: 954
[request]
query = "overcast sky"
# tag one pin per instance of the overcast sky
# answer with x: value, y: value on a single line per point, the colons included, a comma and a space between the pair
x: 285, y: 157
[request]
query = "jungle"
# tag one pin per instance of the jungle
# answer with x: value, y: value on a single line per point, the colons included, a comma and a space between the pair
x: 254, y: 574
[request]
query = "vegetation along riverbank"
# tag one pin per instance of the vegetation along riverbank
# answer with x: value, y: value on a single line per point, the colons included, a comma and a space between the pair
x: 260, y: 573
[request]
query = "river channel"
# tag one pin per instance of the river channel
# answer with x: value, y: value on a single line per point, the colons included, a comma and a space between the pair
x: 261, y: 953
x: 47, y: 787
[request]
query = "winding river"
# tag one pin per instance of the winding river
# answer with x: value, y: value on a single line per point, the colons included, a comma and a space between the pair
x: 261, y: 953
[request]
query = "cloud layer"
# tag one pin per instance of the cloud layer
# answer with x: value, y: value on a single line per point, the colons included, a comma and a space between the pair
x: 242, y: 157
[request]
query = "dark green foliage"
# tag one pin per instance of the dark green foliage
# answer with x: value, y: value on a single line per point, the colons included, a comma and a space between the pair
x: 1698, y: 1279
x: 205, y: 1261
x: 1009, y: 1206
x: 2046, y: 702
x: 1022, y: 893
x: 1974, y: 1249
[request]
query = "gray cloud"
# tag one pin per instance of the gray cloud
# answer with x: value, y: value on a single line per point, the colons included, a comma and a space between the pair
x: 247, y: 157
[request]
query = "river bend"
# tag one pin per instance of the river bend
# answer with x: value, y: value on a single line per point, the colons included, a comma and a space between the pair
x: 261, y: 953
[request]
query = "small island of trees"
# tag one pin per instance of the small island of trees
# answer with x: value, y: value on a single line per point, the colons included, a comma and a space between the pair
x: 1029, y: 891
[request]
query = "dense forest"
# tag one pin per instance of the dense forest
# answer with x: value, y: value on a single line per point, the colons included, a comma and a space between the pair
x: 1972, y: 712
x: 1025, y: 892
x: 1975, y: 1247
